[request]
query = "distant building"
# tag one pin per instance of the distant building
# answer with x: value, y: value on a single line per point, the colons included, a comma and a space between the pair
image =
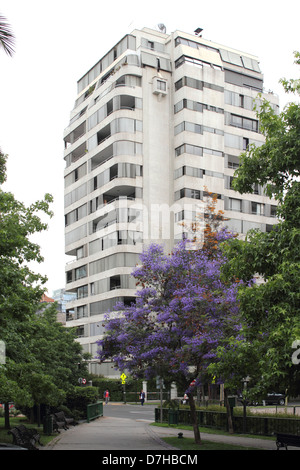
x: 44, y: 303
x: 45, y: 299
x: 62, y: 297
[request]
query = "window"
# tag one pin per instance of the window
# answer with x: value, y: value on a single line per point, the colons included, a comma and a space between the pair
x: 273, y: 212
x: 241, y: 122
x: 75, y: 175
x: 194, y: 44
x: 185, y: 192
x: 185, y: 215
x: 80, y: 272
x: 188, y: 126
x: 75, y: 215
x: 76, y: 234
x: 242, y: 80
x: 115, y: 282
x: 215, y: 174
x: 251, y: 64
x: 235, y: 204
x: 197, y: 84
x: 257, y: 208
x: 240, y: 143
x: 256, y: 188
x: 234, y: 225
x: 236, y: 121
x: 104, y: 306
x: 114, y: 261
x: 189, y: 171
x: 190, y: 149
x: 92, y: 288
x: 82, y: 292
x: 245, y: 143
x: 196, y: 62
x: 161, y: 85
x: 239, y: 100
x: 194, y: 193
x: 80, y: 332
x: 195, y: 106
x: 81, y: 311
x: 75, y: 195
x: 231, y: 57
x: 80, y: 252
x: 233, y: 162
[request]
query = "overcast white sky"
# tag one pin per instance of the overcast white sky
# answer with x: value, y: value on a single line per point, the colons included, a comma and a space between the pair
x: 58, y: 41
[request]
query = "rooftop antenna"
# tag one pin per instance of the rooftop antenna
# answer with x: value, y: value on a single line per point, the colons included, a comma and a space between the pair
x: 162, y: 28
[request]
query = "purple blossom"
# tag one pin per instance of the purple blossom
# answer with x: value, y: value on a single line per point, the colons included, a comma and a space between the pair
x: 184, y: 310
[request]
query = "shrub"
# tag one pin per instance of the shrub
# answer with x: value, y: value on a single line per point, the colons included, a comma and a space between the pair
x: 115, y: 387
x: 172, y: 404
x: 81, y: 397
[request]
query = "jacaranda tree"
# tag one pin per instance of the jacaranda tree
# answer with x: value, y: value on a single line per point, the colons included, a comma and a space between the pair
x: 182, y: 313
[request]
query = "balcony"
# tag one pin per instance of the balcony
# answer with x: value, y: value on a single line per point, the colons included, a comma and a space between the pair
x: 75, y: 134
x: 118, y: 193
x: 76, y: 154
x: 120, y: 147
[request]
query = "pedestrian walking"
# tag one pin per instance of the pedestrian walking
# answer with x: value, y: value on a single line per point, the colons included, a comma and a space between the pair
x: 185, y: 399
x: 106, y: 396
x: 142, y: 397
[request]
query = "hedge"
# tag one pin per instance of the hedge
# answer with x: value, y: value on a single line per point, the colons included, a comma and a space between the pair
x: 81, y: 397
x: 132, y: 388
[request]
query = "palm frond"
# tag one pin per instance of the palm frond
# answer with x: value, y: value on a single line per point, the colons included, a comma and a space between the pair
x: 7, y: 38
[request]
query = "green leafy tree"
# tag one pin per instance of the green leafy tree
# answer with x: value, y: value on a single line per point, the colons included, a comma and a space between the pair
x: 55, y: 348
x: 20, y: 287
x: 44, y: 361
x: 270, y: 309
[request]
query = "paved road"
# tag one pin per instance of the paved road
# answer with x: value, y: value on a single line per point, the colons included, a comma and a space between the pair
x: 126, y: 428
x: 135, y: 412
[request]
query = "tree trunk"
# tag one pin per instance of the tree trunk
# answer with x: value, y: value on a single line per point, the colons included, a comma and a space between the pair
x: 194, y: 419
x: 244, y: 416
x: 6, y: 416
x: 229, y: 415
x: 32, y: 414
x: 161, y: 398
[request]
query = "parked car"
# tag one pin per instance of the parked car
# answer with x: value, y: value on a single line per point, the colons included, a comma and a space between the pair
x: 274, y: 398
x: 6, y: 446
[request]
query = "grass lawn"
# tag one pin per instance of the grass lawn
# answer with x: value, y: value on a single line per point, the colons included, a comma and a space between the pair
x: 209, y: 430
x: 188, y: 443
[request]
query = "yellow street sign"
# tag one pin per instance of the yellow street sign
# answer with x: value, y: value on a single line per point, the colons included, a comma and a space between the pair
x: 123, y: 378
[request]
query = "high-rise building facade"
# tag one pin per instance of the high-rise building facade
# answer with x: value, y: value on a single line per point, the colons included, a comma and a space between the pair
x: 160, y: 119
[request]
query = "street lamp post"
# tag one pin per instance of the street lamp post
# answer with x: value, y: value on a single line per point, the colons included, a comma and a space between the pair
x: 245, y: 402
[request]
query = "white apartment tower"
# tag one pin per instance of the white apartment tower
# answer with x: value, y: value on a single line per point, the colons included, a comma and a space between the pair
x: 157, y: 120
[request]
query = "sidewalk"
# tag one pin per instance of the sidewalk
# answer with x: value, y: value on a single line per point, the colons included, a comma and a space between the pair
x: 107, y: 433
